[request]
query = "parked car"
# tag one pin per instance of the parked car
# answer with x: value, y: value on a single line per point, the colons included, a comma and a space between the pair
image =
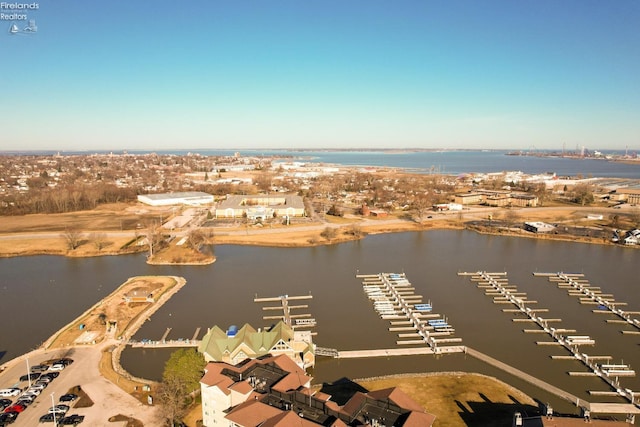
x: 48, y: 418
x: 57, y: 367
x: 26, y: 400
x: 39, y: 386
x: 52, y: 375
x: 4, y: 403
x: 39, y: 368
x: 10, y: 392
x: 32, y: 376
x: 16, y: 407
x: 64, y: 361
x: 32, y: 391
x: 8, y: 418
x: 69, y: 397
x: 59, y: 409
x: 72, y: 420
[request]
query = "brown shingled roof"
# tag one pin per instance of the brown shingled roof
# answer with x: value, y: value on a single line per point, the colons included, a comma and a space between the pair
x: 252, y: 413
x: 398, y: 397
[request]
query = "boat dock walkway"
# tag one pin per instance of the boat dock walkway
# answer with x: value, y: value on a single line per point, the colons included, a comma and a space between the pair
x: 608, y: 372
x: 394, y: 299
x: 577, y: 286
x: 295, y: 321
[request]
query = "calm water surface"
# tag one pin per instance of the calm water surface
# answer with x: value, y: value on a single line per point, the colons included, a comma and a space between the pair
x: 43, y: 293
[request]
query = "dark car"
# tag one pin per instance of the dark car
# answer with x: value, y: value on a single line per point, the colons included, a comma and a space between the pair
x: 69, y: 397
x: 39, y: 368
x: 64, y: 361
x: 32, y: 376
x: 4, y: 403
x: 72, y: 420
x: 48, y: 418
x: 8, y: 417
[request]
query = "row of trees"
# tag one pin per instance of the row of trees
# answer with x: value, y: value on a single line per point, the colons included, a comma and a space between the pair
x: 68, y: 198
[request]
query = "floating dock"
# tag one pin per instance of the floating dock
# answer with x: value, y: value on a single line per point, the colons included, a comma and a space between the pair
x: 571, y: 343
x: 394, y: 299
x: 592, y: 295
x: 295, y: 321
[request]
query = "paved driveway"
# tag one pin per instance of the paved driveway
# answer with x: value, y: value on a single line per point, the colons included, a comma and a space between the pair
x: 109, y: 400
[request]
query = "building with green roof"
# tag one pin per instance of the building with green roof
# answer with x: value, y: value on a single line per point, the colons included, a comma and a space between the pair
x: 236, y: 345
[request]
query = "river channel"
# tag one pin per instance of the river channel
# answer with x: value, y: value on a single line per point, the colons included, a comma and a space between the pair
x: 40, y: 294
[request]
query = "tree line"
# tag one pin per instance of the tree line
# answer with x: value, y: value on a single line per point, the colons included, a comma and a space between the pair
x: 66, y: 198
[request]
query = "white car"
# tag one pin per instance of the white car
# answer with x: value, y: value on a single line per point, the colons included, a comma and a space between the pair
x: 10, y: 392
x: 59, y: 409
x: 33, y: 391
x: 57, y: 367
x: 39, y: 386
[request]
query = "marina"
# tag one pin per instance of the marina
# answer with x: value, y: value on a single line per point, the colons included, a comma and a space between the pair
x: 572, y: 343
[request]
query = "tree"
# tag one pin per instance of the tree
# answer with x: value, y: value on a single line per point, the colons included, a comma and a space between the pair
x: 614, y: 221
x: 421, y: 203
x: 99, y: 240
x: 511, y: 217
x: 540, y: 191
x: 582, y: 194
x: 180, y: 380
x: 153, y: 235
x: 329, y: 233
x: 73, y: 236
x: 197, y: 238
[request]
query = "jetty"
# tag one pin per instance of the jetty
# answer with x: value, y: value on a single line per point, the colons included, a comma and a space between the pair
x: 294, y: 320
x: 572, y: 343
x: 393, y: 297
x: 577, y: 286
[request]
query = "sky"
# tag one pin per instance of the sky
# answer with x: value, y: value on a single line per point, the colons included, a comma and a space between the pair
x: 227, y: 74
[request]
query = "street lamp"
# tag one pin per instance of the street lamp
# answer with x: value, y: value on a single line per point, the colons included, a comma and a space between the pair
x: 55, y: 416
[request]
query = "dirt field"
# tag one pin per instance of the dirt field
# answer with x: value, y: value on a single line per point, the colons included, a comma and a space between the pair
x: 111, y: 316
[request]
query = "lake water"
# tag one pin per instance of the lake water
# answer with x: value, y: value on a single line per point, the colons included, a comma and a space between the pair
x: 43, y: 293
x: 451, y: 162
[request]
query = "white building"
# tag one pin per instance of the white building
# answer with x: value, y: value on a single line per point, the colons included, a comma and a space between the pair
x: 190, y: 198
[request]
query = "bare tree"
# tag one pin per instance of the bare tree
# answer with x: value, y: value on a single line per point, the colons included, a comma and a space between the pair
x: 329, y: 233
x: 154, y: 236
x: 99, y: 240
x: 197, y: 238
x: 420, y: 204
x: 73, y: 236
x: 511, y: 217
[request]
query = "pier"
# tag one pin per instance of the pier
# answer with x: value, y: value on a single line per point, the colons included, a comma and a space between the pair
x: 607, y: 372
x: 394, y: 299
x: 295, y: 321
x: 592, y: 295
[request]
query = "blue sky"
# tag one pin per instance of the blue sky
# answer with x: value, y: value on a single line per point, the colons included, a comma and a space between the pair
x: 322, y: 74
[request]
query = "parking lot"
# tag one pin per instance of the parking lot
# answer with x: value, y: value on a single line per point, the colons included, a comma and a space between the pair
x: 108, y: 399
